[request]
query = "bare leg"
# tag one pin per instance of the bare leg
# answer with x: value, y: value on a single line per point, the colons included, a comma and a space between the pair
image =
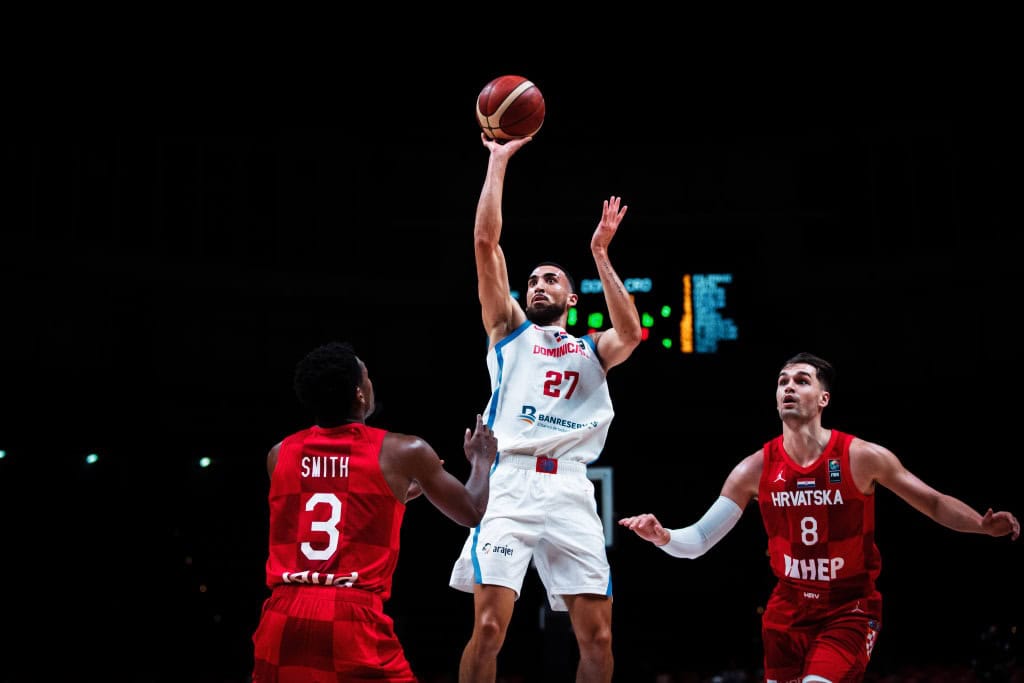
x: 492, y: 611
x: 591, y: 617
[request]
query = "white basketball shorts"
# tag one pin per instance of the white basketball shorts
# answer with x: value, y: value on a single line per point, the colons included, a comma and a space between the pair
x: 548, y: 518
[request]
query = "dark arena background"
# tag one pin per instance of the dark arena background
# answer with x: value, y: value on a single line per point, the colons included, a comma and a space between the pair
x: 162, y: 276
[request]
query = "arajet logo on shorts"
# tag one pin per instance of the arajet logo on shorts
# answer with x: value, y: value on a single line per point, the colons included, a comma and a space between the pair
x: 495, y: 549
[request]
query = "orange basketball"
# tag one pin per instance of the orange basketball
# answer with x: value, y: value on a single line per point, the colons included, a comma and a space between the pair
x: 510, y: 107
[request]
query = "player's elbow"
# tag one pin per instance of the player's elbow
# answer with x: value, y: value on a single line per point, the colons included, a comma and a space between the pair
x: 473, y: 514
x: 629, y: 338
x: 630, y: 331
x: 472, y: 519
x: 484, y: 241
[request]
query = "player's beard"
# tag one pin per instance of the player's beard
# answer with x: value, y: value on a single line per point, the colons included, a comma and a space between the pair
x: 545, y: 314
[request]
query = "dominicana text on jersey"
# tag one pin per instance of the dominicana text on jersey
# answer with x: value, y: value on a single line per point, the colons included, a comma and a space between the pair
x: 549, y: 394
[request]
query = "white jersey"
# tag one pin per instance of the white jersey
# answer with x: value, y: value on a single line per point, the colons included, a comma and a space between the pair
x: 549, y: 394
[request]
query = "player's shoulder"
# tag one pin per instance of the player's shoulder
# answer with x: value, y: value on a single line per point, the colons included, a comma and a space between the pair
x: 506, y: 332
x: 751, y: 465
x: 398, y: 438
x: 404, y: 443
x: 406, y: 453
x: 755, y: 459
x: 744, y: 480
x: 870, y: 454
x: 863, y: 447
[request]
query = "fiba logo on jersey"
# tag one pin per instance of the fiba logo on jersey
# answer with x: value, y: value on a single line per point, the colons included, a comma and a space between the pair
x: 528, y: 414
x: 833, y: 472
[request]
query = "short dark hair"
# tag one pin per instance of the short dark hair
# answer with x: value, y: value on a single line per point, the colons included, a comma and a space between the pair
x: 327, y: 377
x: 572, y: 283
x: 826, y: 373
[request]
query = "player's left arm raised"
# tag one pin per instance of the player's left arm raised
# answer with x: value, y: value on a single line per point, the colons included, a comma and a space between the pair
x: 413, y: 467
x: 615, y: 344
x: 881, y: 465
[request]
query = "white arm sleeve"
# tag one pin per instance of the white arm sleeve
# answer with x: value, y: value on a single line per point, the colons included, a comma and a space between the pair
x: 697, y: 539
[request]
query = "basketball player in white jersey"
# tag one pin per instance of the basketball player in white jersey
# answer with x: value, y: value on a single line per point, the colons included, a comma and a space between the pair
x: 550, y: 411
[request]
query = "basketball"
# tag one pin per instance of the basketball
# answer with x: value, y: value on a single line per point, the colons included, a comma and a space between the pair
x: 510, y: 107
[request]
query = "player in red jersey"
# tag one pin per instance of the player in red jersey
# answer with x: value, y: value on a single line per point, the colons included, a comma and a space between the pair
x: 815, y: 488
x: 338, y: 492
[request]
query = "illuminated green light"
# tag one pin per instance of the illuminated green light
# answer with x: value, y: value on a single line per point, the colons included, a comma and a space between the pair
x: 667, y: 343
x: 204, y: 462
x: 3, y: 454
x: 573, y: 316
x: 646, y: 320
x: 91, y: 458
x: 666, y: 311
x: 595, y: 320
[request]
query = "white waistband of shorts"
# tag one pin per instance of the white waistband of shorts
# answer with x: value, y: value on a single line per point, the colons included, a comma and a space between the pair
x: 529, y: 462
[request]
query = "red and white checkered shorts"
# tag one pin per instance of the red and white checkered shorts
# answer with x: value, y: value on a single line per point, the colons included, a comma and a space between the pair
x: 323, y: 634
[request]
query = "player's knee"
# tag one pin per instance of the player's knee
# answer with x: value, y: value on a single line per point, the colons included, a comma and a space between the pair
x: 596, y: 639
x: 489, y: 633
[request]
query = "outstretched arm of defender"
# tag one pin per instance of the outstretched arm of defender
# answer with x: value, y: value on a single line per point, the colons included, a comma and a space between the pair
x: 693, y: 541
x: 463, y: 503
x: 878, y: 463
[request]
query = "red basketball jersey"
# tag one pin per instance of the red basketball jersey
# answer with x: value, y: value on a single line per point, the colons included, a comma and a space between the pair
x: 333, y: 518
x: 821, y: 528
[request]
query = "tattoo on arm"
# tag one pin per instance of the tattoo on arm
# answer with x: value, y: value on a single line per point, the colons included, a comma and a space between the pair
x: 607, y: 267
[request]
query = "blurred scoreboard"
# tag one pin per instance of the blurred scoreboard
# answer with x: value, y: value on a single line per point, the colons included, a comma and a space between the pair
x: 688, y: 313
